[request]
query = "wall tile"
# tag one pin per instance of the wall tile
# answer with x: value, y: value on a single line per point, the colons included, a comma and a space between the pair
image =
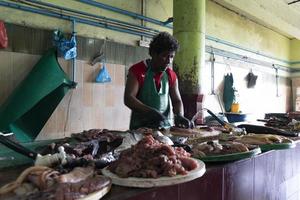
x: 6, y: 70
x: 111, y: 70
x: 108, y: 118
x: 75, y: 118
x: 99, y: 95
x: 110, y: 95
x: 89, y: 72
x: 62, y: 114
x: 79, y: 73
x: 99, y: 117
x: 5, y: 90
x: 76, y: 98
x: 89, y: 120
x: 87, y: 94
x: 119, y: 75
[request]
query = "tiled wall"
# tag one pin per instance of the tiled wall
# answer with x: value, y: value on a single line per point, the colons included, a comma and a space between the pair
x: 256, y: 101
x: 90, y: 105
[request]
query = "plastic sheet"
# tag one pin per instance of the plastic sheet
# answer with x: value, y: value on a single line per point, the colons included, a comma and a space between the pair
x: 3, y: 36
x: 103, y: 75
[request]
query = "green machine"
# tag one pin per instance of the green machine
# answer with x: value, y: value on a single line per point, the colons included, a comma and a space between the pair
x: 31, y: 104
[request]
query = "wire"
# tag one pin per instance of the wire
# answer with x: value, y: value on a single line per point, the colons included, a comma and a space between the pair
x: 293, y: 2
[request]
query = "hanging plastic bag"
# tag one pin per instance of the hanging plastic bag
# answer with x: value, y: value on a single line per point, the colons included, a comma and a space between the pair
x: 3, y: 36
x: 103, y: 75
x: 66, y: 48
x: 251, y: 78
x: 228, y: 92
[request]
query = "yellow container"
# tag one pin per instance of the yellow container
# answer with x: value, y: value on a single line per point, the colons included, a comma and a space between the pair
x: 235, y: 107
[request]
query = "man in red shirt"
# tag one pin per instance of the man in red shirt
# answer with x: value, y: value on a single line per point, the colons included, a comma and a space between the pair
x: 152, y: 86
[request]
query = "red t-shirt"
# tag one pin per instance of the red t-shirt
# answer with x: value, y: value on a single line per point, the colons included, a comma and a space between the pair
x: 140, y: 69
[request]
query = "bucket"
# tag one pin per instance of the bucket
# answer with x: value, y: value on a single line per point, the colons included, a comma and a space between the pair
x: 235, y: 107
x: 235, y: 117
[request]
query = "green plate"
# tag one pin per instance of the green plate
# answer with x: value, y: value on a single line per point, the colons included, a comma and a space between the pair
x: 268, y: 147
x: 231, y: 157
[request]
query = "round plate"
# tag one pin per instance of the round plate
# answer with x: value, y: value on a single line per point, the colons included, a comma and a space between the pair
x: 154, y: 182
x: 268, y: 147
x: 231, y: 157
x: 97, y: 194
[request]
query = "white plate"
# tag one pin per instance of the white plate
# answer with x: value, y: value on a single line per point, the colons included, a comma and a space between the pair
x: 154, y: 182
x: 97, y: 194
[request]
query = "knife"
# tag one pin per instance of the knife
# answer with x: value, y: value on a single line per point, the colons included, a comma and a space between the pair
x: 227, y: 126
x: 267, y: 130
x: 17, y: 147
x: 46, y: 160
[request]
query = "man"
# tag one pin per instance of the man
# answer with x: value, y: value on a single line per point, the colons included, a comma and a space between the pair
x: 150, y: 86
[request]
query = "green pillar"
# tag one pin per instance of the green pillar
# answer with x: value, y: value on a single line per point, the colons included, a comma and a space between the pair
x: 189, y: 29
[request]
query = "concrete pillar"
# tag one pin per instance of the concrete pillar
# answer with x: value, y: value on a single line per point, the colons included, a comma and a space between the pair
x: 189, y: 29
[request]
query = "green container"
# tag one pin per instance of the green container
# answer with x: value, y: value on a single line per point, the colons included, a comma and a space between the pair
x: 28, y: 108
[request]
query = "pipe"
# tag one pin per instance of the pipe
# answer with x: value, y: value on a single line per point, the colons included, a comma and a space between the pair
x: 235, y: 56
x: 74, y: 59
x: 80, y: 20
x: 277, y: 79
x: 142, y: 17
x: 102, y: 25
x: 248, y: 50
x: 90, y: 15
x: 125, y: 12
x: 212, y: 73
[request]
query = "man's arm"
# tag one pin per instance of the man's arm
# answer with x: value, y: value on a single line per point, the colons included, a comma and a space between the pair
x: 179, y: 119
x: 176, y: 99
x: 131, y: 91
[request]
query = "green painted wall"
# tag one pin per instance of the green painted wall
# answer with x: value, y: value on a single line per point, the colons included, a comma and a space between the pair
x: 229, y: 26
x: 220, y: 23
x: 295, y: 50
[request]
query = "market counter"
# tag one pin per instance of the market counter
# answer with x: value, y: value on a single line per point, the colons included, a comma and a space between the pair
x: 270, y: 175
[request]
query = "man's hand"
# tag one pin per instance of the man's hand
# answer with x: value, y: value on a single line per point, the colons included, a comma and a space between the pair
x: 182, y: 122
x: 155, y: 119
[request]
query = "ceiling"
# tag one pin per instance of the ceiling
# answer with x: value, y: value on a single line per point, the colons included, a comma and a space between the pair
x: 282, y: 16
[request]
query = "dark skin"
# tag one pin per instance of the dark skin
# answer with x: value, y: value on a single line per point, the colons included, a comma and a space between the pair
x: 159, y: 62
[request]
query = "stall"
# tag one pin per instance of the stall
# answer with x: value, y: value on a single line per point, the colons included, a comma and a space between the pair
x: 270, y: 175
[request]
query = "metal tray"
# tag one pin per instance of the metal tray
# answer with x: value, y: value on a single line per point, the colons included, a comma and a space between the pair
x: 231, y: 157
x: 268, y: 147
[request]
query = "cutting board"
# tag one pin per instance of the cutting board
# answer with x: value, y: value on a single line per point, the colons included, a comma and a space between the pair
x: 155, y: 182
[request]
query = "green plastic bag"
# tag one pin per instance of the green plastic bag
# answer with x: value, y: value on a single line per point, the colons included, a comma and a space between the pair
x: 228, y: 92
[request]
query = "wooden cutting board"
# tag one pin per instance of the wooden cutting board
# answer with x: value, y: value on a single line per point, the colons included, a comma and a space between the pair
x: 192, y: 133
x: 155, y: 182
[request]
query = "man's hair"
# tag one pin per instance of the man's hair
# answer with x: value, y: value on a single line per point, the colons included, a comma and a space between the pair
x: 163, y: 42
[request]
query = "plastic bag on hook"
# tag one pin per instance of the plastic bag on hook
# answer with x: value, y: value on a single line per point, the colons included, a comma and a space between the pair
x: 3, y: 36
x: 103, y: 75
x: 66, y: 48
x: 251, y: 78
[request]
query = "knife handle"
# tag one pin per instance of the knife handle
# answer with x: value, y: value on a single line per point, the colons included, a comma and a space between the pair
x: 17, y: 147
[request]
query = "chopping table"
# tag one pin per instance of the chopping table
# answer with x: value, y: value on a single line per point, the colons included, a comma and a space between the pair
x: 267, y: 176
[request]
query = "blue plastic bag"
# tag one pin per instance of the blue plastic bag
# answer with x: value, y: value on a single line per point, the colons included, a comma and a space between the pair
x: 66, y: 48
x: 103, y: 75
